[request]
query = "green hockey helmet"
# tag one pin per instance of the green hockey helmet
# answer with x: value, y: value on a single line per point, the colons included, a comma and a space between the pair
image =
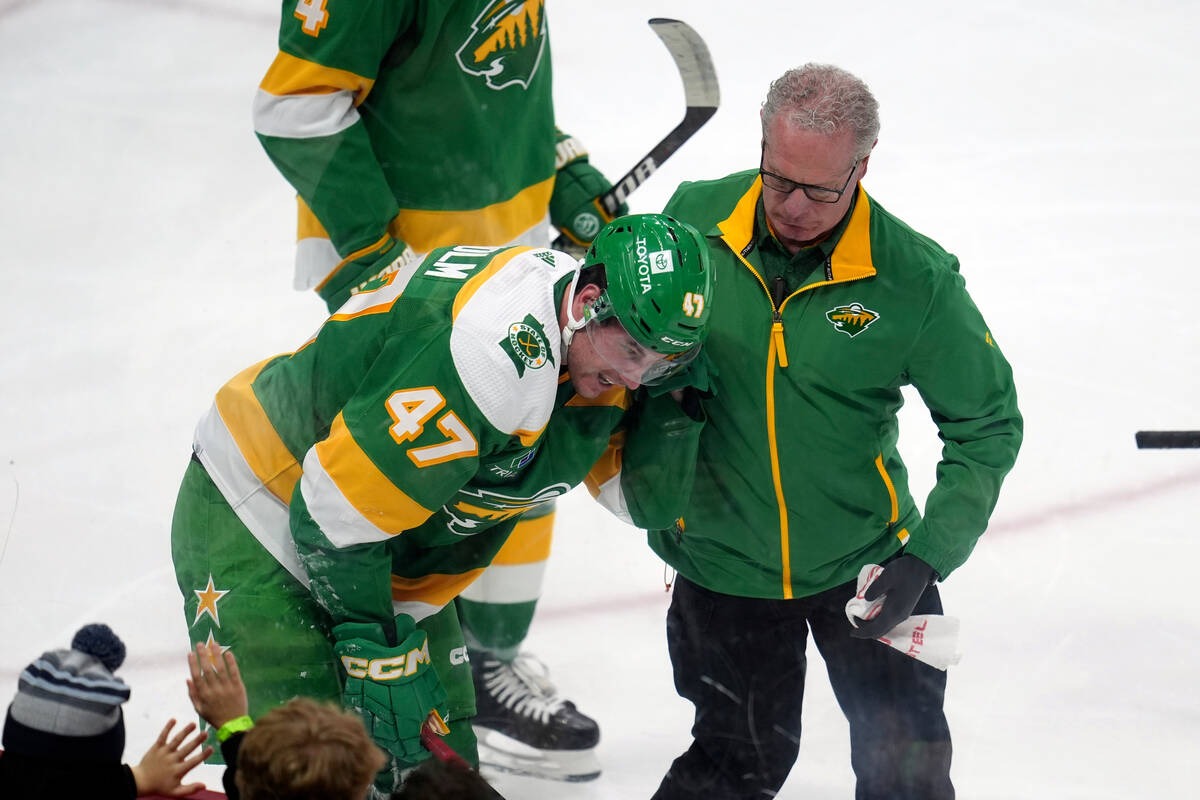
x: 659, y: 280
x: 659, y: 287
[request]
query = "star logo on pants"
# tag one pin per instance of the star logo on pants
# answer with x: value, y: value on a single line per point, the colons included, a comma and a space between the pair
x: 209, y: 597
x: 212, y: 641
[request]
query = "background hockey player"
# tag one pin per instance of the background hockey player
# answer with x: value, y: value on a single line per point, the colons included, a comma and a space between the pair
x: 829, y: 304
x: 406, y: 125
x: 341, y: 496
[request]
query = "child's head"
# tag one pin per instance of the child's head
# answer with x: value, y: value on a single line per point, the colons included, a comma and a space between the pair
x: 307, y: 749
x: 438, y: 780
x: 68, y: 703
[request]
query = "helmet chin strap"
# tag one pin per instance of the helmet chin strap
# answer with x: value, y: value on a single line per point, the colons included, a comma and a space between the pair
x: 573, y: 324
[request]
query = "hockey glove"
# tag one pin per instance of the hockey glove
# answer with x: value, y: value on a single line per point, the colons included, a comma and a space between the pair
x: 698, y: 374
x: 364, y: 271
x: 575, y: 207
x: 903, y: 581
x: 393, y: 689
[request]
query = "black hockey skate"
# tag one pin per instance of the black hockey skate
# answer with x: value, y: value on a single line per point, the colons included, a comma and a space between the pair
x: 525, y: 728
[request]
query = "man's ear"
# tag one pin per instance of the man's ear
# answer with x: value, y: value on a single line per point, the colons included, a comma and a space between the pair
x: 865, y: 160
x: 584, y: 298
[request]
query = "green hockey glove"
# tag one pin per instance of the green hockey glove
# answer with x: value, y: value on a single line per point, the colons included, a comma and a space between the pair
x: 698, y: 374
x: 366, y: 271
x: 393, y: 689
x: 575, y: 207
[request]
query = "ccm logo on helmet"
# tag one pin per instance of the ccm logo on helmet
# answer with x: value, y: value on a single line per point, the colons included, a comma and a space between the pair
x: 387, y: 669
x: 649, y: 263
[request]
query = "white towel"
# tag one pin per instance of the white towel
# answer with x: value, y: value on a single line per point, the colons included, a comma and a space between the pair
x: 930, y: 638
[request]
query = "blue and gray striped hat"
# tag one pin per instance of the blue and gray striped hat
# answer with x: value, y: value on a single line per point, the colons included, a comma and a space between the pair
x: 68, y: 702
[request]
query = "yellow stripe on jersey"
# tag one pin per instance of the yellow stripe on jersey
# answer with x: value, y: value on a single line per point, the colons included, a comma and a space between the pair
x: 307, y: 224
x: 529, y: 541
x: 478, y: 279
x: 608, y: 466
x: 436, y: 590
x: 362, y: 485
x: 493, y: 226
x: 289, y: 75
x: 255, y: 436
x: 378, y: 244
x: 617, y: 396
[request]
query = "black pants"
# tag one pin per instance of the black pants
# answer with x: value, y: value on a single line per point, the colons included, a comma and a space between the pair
x: 741, y: 662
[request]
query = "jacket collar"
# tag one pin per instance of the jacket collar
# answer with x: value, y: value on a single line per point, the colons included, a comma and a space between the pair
x: 851, y: 258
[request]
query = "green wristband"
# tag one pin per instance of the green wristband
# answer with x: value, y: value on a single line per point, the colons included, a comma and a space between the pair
x: 234, y: 726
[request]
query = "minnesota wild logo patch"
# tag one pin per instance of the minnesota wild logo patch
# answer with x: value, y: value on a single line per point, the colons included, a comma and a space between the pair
x: 851, y: 319
x: 506, y: 43
x: 526, y: 345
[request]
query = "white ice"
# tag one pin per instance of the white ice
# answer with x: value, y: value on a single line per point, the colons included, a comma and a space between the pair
x: 146, y: 257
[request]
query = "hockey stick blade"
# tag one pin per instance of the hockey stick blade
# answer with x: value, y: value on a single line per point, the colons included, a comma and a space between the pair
x: 701, y: 92
x: 448, y: 755
x: 1165, y: 440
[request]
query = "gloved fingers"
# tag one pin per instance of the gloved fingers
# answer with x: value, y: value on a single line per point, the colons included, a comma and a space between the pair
x: 879, y: 586
x: 872, y: 629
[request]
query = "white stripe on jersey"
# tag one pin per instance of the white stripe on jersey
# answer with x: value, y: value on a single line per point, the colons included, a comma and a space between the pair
x: 417, y: 610
x: 611, y: 497
x: 303, y: 116
x: 507, y: 583
x: 264, y: 514
x: 342, y: 523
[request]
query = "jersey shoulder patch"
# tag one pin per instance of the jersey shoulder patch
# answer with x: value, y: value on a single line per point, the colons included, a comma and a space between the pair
x: 505, y: 340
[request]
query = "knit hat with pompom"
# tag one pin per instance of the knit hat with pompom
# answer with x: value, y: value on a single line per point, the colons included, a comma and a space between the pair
x: 68, y: 702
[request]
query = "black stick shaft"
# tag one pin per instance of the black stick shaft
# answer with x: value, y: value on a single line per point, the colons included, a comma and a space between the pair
x: 1164, y: 440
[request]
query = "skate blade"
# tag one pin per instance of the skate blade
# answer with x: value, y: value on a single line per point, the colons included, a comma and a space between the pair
x: 505, y: 754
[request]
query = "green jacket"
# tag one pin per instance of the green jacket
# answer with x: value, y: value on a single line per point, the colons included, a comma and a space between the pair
x: 798, y: 481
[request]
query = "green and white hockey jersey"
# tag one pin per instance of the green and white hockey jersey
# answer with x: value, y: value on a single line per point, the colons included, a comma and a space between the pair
x: 385, y: 461
x: 430, y: 121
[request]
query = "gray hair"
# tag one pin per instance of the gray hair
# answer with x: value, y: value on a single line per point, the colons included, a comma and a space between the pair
x: 826, y: 99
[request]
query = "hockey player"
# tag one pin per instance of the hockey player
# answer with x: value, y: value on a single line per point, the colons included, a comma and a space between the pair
x: 341, y: 496
x: 409, y: 125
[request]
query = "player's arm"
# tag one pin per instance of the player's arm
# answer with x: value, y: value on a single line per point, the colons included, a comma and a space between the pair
x: 306, y: 117
x: 398, y: 450
x: 645, y: 475
x: 968, y: 387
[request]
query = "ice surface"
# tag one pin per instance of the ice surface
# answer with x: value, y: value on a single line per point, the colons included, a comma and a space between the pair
x: 147, y: 246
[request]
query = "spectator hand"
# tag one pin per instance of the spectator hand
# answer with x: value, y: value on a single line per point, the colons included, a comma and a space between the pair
x: 394, y: 689
x: 902, y: 581
x: 162, y: 769
x: 216, y: 687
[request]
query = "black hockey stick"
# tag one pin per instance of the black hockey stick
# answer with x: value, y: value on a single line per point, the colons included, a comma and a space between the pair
x: 701, y: 93
x: 1162, y: 440
x: 448, y: 755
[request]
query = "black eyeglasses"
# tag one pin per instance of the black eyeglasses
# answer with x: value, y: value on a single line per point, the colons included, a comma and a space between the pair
x: 818, y: 194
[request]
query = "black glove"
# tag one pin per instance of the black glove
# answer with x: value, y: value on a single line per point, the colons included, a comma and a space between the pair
x: 903, y: 581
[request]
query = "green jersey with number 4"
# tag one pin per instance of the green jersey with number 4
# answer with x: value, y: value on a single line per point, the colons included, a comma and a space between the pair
x: 429, y: 120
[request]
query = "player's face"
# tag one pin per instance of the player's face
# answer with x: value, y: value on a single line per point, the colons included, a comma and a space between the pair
x: 603, y: 355
x: 815, y: 160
